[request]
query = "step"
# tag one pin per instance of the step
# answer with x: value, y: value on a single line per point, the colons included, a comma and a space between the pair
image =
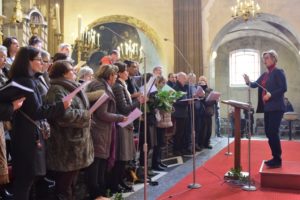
x: 286, y: 177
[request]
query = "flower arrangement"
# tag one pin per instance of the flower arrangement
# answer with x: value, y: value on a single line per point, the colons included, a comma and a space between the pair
x: 165, y: 99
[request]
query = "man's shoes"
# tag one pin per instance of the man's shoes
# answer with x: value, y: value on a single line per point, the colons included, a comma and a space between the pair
x: 163, y: 165
x: 197, y: 148
x: 274, y: 163
x: 187, y: 152
x: 208, y: 147
x: 127, y: 187
x: 176, y: 153
x: 158, y: 168
x: 268, y: 161
x: 5, y: 194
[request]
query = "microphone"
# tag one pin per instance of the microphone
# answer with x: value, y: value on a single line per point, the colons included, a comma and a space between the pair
x: 115, y: 33
x: 180, y: 53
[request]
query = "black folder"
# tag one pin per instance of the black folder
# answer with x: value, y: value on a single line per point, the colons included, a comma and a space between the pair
x: 12, y: 91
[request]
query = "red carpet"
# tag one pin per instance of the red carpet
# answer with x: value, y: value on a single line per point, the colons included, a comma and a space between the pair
x: 210, y: 176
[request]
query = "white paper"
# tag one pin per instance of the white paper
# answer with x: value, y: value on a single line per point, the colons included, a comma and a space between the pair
x: 98, y: 103
x: 213, y: 96
x: 199, y: 92
x: 153, y: 89
x: 150, y: 86
x: 136, y: 113
x: 73, y: 94
x: 17, y: 85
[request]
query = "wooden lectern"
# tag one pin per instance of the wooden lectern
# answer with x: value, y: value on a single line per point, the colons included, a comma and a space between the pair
x: 237, y: 129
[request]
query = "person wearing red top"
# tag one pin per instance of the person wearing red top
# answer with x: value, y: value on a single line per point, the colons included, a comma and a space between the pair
x: 271, y: 88
x: 111, y: 58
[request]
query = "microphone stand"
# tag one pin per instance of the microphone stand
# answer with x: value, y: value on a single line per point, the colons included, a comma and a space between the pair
x: 249, y: 186
x: 145, y: 146
x: 193, y: 185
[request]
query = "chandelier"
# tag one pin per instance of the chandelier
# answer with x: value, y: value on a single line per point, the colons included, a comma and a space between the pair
x: 130, y: 51
x: 245, y: 9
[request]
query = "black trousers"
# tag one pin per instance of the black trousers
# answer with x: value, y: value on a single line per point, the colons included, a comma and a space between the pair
x: 157, y: 150
x: 272, y: 123
x: 96, y: 175
x: 65, y: 184
x: 179, y: 134
x: 22, y: 186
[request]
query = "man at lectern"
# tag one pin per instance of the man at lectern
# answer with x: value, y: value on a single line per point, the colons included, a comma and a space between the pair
x: 271, y: 88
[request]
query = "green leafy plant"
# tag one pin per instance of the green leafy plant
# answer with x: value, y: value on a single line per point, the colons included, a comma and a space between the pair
x: 165, y: 99
x: 236, y: 174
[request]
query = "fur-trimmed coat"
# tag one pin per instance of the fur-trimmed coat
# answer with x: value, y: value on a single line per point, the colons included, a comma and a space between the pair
x: 70, y: 145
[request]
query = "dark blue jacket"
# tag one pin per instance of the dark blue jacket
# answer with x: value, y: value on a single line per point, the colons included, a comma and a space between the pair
x: 181, y: 107
x: 277, y: 86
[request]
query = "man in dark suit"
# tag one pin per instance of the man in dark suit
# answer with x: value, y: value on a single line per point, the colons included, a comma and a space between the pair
x: 181, y: 115
x: 272, y: 86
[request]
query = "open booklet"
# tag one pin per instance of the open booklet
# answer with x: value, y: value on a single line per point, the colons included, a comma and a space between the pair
x: 12, y: 91
x: 136, y: 113
x: 213, y: 96
x: 98, y: 103
x: 150, y: 86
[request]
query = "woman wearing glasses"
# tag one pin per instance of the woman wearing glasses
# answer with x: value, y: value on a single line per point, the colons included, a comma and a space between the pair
x: 28, y: 147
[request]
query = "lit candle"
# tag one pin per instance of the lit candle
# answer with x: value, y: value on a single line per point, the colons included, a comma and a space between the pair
x: 79, y: 26
x: 98, y: 39
x: 0, y: 7
x: 57, y: 18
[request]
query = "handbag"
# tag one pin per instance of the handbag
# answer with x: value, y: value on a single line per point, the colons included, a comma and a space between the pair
x: 43, y: 127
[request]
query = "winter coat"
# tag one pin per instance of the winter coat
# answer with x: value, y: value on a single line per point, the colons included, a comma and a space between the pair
x: 70, y: 145
x: 28, y: 157
x: 125, y: 149
x: 103, y: 120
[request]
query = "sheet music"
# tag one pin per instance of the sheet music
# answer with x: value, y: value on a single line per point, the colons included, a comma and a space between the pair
x: 150, y: 86
x: 199, y: 92
x: 98, y: 103
x: 72, y: 94
x: 17, y: 85
x: 213, y: 96
x: 136, y: 113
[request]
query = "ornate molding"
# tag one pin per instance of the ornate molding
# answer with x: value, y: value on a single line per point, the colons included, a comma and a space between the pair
x: 149, y: 32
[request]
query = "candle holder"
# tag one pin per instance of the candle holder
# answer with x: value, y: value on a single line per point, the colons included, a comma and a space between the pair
x: 79, y: 45
x: 2, y: 18
x: 59, y: 37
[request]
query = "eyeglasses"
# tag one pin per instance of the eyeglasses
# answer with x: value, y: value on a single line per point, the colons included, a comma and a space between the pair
x: 46, y: 61
x: 39, y: 59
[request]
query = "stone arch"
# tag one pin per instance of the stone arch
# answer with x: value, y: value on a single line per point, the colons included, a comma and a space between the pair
x: 149, y: 31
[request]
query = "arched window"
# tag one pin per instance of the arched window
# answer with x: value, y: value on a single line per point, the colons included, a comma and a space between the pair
x: 243, y: 61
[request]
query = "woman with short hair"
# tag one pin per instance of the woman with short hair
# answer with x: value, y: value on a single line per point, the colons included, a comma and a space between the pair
x: 103, y: 130
x: 70, y: 146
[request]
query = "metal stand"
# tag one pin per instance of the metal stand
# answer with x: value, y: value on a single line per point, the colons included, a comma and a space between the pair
x: 145, y: 146
x: 228, y: 153
x: 249, y: 186
x: 193, y: 185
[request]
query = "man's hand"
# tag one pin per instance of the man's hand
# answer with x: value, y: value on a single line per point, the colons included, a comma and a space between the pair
x: 267, y: 97
x: 246, y: 78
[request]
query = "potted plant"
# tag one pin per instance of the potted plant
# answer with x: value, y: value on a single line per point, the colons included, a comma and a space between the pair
x: 164, y: 100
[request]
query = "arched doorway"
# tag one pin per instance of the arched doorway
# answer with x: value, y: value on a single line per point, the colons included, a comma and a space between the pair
x: 265, y: 32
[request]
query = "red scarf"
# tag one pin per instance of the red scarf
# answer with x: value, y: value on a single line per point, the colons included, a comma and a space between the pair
x: 265, y: 79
